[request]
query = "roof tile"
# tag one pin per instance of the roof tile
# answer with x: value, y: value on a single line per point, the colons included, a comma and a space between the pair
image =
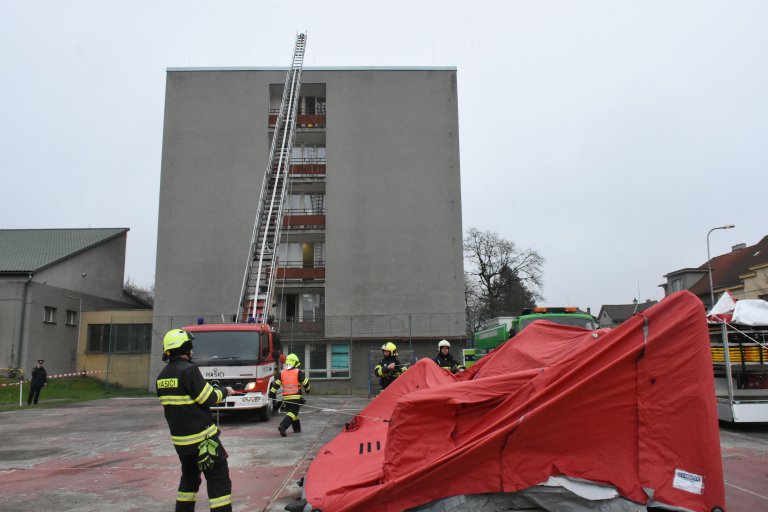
x: 29, y: 250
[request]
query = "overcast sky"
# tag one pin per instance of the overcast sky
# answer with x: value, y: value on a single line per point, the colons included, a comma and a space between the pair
x: 610, y: 136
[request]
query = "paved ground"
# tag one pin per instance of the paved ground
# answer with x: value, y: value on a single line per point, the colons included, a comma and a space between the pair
x: 116, y: 455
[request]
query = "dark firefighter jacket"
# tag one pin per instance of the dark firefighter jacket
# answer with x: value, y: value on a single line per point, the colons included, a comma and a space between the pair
x: 385, y: 375
x: 291, y: 381
x: 447, y: 362
x: 187, y: 399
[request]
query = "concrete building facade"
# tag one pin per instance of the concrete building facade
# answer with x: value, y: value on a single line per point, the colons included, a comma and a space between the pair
x: 371, y: 248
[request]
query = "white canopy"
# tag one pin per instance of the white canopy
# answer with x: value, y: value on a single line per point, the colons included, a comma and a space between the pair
x: 752, y: 312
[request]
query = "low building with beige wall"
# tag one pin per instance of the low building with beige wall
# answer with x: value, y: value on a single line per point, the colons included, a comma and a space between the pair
x: 114, y: 346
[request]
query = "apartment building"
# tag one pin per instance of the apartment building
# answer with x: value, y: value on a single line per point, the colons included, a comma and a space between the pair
x: 371, y: 245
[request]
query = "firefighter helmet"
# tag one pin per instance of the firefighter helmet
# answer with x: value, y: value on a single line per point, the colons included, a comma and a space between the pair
x: 292, y: 361
x: 443, y: 343
x: 389, y: 346
x: 176, y: 338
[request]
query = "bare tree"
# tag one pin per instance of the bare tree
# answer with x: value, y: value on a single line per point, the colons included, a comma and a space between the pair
x: 145, y: 294
x: 500, y: 278
x: 473, y: 305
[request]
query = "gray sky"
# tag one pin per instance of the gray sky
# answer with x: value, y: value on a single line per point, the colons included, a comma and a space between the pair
x: 610, y: 136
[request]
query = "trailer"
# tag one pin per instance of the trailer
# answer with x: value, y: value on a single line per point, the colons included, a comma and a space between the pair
x: 739, y: 348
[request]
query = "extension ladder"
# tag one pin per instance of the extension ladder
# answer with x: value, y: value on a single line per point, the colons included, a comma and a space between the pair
x: 261, y: 266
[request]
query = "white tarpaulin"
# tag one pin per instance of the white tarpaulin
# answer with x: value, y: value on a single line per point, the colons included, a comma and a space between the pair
x: 751, y: 312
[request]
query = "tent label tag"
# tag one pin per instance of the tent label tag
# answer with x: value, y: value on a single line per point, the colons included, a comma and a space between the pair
x: 688, y: 482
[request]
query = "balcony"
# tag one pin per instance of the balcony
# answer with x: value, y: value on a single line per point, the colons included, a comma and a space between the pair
x: 304, y: 274
x: 303, y: 219
x: 299, y: 271
x: 291, y: 327
x: 305, y: 118
x: 307, y: 167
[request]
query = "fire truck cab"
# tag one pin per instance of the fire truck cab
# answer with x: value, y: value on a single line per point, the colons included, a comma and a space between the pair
x: 244, y: 356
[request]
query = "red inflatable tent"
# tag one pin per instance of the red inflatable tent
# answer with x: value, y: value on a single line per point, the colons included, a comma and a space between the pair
x: 628, y: 414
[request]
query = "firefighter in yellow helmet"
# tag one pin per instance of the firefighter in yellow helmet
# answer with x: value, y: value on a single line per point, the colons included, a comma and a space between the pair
x: 389, y: 368
x: 187, y: 399
x: 291, y: 379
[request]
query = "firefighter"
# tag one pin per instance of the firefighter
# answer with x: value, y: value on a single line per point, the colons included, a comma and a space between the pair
x: 187, y: 399
x: 389, y: 368
x: 291, y: 380
x: 445, y: 360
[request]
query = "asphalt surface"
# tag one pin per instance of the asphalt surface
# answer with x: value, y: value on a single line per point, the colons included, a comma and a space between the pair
x: 116, y: 455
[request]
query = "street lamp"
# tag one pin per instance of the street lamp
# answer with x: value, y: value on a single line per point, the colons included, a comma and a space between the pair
x: 723, y: 333
x: 709, y: 263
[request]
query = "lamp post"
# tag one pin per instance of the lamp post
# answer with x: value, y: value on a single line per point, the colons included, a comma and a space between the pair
x: 709, y: 263
x: 723, y: 333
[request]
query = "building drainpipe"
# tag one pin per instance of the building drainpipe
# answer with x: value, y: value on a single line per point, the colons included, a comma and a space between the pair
x: 23, y: 317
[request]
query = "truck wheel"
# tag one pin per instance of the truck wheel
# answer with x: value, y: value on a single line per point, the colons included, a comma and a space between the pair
x: 262, y: 414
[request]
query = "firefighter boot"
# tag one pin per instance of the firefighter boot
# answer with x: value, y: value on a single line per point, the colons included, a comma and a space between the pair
x: 296, y: 426
x: 284, y: 425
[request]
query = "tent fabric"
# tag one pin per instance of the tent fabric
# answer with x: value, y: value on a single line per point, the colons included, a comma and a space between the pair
x: 752, y: 312
x: 723, y: 308
x: 632, y: 408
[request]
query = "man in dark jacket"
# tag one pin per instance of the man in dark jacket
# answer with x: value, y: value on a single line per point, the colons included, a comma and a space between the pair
x: 187, y: 399
x: 445, y: 360
x: 39, y: 379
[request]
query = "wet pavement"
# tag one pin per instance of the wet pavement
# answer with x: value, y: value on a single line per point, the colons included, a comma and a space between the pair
x: 116, y: 455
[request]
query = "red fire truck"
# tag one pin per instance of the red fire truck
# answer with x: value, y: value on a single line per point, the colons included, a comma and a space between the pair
x: 240, y: 355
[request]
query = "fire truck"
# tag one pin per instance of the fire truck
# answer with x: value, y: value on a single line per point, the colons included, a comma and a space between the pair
x: 244, y: 356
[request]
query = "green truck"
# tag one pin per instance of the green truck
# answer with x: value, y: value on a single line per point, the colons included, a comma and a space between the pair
x: 491, y: 337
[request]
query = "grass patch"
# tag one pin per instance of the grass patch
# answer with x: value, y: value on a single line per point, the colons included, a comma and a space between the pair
x: 64, y: 391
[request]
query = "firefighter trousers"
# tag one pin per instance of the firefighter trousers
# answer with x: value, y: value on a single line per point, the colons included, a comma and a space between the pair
x: 291, y: 408
x: 217, y: 481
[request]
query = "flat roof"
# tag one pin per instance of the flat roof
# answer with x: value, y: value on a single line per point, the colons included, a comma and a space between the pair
x: 341, y: 68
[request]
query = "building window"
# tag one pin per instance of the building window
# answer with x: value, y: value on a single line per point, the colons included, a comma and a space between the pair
x: 49, y: 316
x: 676, y: 285
x: 323, y: 360
x: 71, y: 317
x: 304, y: 307
x: 120, y: 338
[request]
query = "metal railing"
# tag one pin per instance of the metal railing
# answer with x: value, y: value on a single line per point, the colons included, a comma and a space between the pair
x: 405, y: 325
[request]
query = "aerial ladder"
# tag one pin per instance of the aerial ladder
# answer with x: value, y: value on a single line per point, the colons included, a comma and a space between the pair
x: 261, y: 266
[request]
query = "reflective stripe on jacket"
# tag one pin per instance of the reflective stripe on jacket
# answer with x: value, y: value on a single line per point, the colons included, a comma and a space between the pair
x: 186, y: 400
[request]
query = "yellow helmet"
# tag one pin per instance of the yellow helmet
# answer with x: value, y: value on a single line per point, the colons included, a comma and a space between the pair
x: 292, y: 360
x: 391, y: 347
x: 175, y: 338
